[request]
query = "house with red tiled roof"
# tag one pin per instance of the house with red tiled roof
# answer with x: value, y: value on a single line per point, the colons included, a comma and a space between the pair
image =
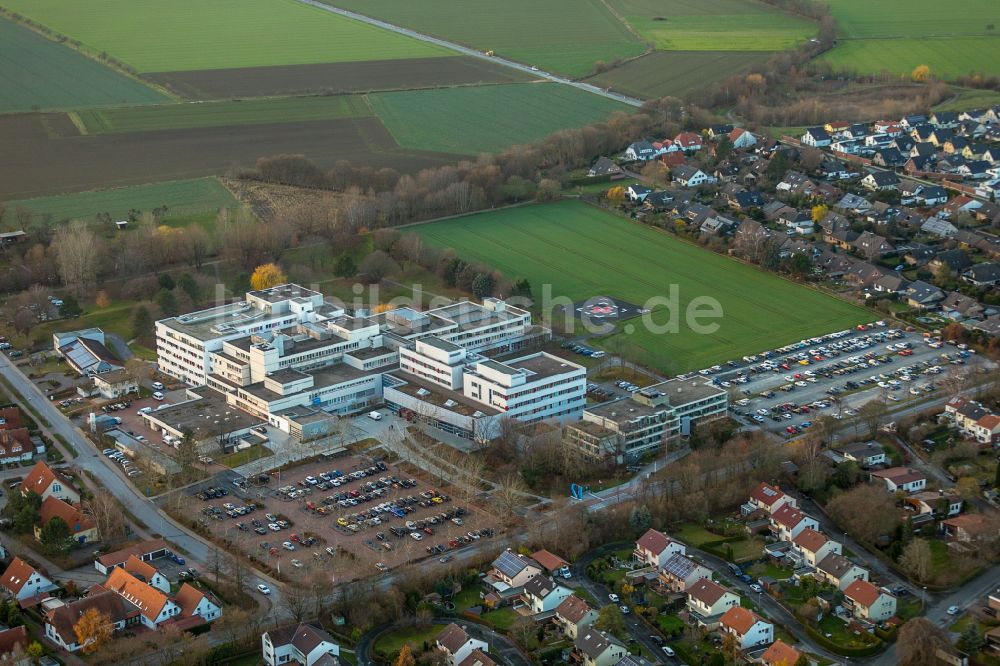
x: 689, y: 142
x: 987, y: 429
x: 22, y: 581
x: 906, y: 479
x: 154, y: 606
x: 788, y: 522
x: 970, y: 527
x: 573, y: 615
x: 10, y: 418
x: 741, y: 138
x: 196, y: 603
x: 42, y: 481
x: 707, y: 601
x: 60, y: 619
x: 16, y: 446
x: 839, y: 571
x: 770, y: 498
x: 147, y: 573
x: 549, y: 561
x: 82, y: 527
x: 748, y: 628
x: 146, y: 551
x: 654, y: 548
x: 811, y: 546
x: 13, y: 641
x: 868, y: 602
x: 780, y: 654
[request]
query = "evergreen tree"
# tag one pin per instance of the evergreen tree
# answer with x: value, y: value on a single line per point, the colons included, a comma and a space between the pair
x: 166, y: 282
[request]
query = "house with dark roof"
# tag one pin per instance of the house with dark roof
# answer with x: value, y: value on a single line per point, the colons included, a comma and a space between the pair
x: 906, y: 479
x: 958, y: 306
x: 542, y: 594
x: 637, y: 192
x: 872, y: 245
x: 839, y: 571
x: 923, y: 296
x: 654, y: 548
x: 707, y: 601
x: 574, y: 615
x: 955, y: 260
x: 604, y: 167
x: 686, y: 175
x: 144, y: 551
x: 868, y: 602
x: 680, y: 572
x: 640, y: 151
x: 865, y: 454
x: 457, y: 644
x: 880, y: 181
x: 658, y: 201
x: 305, y: 643
x: 60, y: 619
x: 816, y: 137
x: 893, y: 283
x: 13, y: 643
x: 22, y: 581
x: 506, y: 578
x: 597, y: 648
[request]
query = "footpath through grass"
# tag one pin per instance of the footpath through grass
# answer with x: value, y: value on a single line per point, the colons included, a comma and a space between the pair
x: 472, y: 120
x: 580, y: 251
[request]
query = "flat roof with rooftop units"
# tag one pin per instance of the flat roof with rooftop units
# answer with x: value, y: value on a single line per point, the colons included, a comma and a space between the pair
x: 682, y: 391
x: 206, y: 416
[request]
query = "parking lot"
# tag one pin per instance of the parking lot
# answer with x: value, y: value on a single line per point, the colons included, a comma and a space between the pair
x: 348, y: 516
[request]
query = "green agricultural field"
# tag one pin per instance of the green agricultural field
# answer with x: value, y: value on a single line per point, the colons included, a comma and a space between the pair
x: 180, y: 197
x: 970, y: 99
x: 472, y: 120
x: 182, y: 35
x: 714, y: 25
x: 882, y: 35
x: 39, y: 74
x: 219, y: 114
x: 677, y: 73
x: 564, y: 36
x: 582, y: 251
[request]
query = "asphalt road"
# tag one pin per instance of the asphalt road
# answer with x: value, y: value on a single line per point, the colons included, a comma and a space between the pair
x: 465, y: 50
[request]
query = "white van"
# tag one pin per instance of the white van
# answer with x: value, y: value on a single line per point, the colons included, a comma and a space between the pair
x: 375, y: 416
x: 158, y: 396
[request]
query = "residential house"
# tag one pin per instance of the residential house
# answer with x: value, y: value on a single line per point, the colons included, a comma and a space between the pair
x: 707, y: 601
x: 654, y: 548
x: 45, y: 483
x: 964, y: 412
x: 597, y: 648
x: 932, y: 195
x: 718, y: 131
x: 920, y: 164
x: 16, y: 446
x: 788, y: 522
x: 89, y: 357
x: 770, y: 498
x: 853, y: 203
x: 542, y: 594
x: 689, y: 142
x: 954, y: 260
x: 780, y: 654
x: 507, y: 576
x: 154, y: 606
x: 796, y: 182
x: 865, y: 601
x: 550, y: 562
x: 680, y: 572
x: 115, y: 384
x: 147, y: 573
x: 938, y: 227
x: 23, y: 581
x: 640, y: 151
x: 839, y: 571
x: 82, y: 528
x: 658, y: 202
x: 923, y: 296
x: 889, y: 158
x: 197, y: 603
x: 983, y: 275
x: 872, y: 245
x: 726, y: 172
x: 741, y: 138
x: 746, y: 627
x: 13, y: 643
x: 958, y: 306
x: 144, y: 551
x: 305, y: 644
x: 811, y: 546
x: 944, y: 119
x: 906, y: 479
x: 932, y: 503
x: 478, y: 658
x: 686, y: 175
x: 880, y: 181
x: 816, y: 137
x: 574, y: 615
x: 970, y: 527
x: 637, y: 192
x: 865, y: 454
x: 719, y: 225
x: 61, y: 620
x: 893, y: 283
x: 604, y: 167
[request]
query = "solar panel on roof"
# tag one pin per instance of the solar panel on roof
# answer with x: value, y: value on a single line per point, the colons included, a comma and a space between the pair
x: 678, y: 566
x: 770, y: 491
x: 508, y: 564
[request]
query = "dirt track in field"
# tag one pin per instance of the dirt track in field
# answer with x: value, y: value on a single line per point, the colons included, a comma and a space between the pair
x: 333, y: 77
x: 43, y: 154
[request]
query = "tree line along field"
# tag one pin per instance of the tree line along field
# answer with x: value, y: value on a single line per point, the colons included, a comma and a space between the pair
x: 563, y: 36
x: 220, y: 114
x: 37, y: 73
x: 180, y: 197
x: 583, y: 251
x: 471, y: 120
x: 954, y: 39
x: 715, y: 25
x: 156, y: 36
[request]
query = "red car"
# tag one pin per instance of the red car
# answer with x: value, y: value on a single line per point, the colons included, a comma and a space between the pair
x: 791, y: 430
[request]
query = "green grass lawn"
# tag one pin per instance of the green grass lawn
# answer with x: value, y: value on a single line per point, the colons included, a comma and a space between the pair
x: 217, y: 114
x: 245, y: 456
x: 388, y: 645
x: 873, y: 36
x: 565, y: 36
x: 467, y: 598
x: 180, y: 196
x: 501, y: 619
x: 712, y: 25
x: 840, y: 635
x: 970, y: 99
x: 582, y: 251
x: 37, y: 73
x: 181, y: 35
x: 472, y: 120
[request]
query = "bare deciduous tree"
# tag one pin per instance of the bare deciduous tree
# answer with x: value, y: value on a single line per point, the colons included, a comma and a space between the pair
x: 77, y: 256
